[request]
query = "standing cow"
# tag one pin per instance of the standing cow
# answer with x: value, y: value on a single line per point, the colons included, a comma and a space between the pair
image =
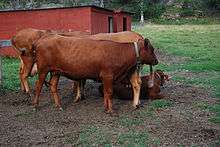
x: 23, y: 42
x: 121, y: 37
x: 86, y: 58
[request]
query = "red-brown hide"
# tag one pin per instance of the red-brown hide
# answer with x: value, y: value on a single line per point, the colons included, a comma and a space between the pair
x: 89, y: 59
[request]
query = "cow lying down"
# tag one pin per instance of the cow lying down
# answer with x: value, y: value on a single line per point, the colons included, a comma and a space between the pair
x: 150, y: 87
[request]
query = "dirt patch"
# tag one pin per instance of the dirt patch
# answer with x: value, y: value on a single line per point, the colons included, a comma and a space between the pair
x: 182, y: 123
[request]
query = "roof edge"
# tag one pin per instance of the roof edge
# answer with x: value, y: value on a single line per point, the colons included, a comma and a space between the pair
x: 89, y: 6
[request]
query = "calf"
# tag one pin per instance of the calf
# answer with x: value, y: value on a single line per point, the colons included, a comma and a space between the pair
x: 90, y: 59
x: 150, y: 87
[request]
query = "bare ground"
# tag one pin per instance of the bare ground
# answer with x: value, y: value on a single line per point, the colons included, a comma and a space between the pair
x: 182, y: 123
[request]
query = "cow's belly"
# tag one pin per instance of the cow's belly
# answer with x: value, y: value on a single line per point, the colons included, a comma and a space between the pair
x: 77, y: 71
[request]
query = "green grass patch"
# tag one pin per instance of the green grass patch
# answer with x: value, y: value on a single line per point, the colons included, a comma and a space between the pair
x: 133, y: 139
x: 215, y: 119
x: 24, y: 115
x: 11, y: 79
x: 156, y: 104
x: 91, y: 135
x: 215, y: 144
x: 206, y: 82
x: 10, y: 73
x: 212, y: 108
x: 189, y: 21
x: 197, y: 45
x: 129, y: 122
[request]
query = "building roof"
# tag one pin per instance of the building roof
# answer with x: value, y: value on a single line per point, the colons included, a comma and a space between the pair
x: 91, y: 6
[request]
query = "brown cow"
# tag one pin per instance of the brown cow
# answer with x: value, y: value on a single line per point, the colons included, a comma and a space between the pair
x: 150, y: 87
x: 121, y: 37
x: 90, y: 59
x: 23, y: 41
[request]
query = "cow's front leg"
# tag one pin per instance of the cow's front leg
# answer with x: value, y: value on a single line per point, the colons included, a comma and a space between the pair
x: 25, y: 71
x: 20, y: 76
x: 53, y: 86
x: 39, y: 85
x: 136, y: 86
x: 107, y: 90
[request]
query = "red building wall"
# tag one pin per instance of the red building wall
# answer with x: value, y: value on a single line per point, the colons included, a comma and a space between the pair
x: 118, y: 21
x: 90, y: 19
x: 99, y: 21
x: 56, y: 19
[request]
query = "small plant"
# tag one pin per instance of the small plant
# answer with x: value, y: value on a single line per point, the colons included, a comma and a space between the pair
x: 160, y: 104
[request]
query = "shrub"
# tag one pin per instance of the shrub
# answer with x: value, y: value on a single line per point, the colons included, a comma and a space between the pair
x: 154, y: 10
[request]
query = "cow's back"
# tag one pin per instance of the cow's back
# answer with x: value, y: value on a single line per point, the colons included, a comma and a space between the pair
x: 122, y: 37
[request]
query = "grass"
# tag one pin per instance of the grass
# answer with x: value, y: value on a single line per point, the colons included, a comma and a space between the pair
x: 189, y: 21
x: 199, y: 48
x: 131, y: 139
x: 213, y: 108
x: 93, y: 135
x: 98, y: 136
x: 129, y: 122
x: 10, y: 74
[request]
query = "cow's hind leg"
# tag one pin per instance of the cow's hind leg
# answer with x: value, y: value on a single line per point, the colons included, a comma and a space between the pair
x: 136, y: 86
x: 53, y: 86
x: 107, y: 90
x: 39, y: 85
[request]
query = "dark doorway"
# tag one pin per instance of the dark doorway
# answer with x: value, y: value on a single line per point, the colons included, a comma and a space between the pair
x: 124, y: 24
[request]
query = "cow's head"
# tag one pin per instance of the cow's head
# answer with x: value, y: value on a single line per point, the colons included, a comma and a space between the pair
x: 147, y: 53
x: 163, y: 77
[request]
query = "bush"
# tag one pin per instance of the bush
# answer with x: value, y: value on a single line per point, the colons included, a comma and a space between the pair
x: 154, y: 10
x: 187, y: 12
